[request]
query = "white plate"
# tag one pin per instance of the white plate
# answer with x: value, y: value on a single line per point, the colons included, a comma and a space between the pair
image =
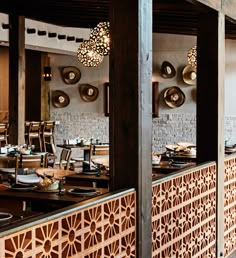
x: 187, y: 154
x: 71, y: 191
x: 28, y: 179
x: 90, y: 172
x: 8, y: 170
x: 22, y: 189
x: 5, y: 216
x: 186, y: 144
x: 179, y: 164
x: 171, y: 147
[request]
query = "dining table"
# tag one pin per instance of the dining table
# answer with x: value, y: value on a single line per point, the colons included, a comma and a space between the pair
x: 167, y: 167
x: 97, y: 179
x: 85, y: 149
x: 12, y: 217
x: 46, y: 201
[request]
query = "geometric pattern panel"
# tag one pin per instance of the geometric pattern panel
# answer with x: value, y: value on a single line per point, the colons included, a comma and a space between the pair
x: 104, y: 229
x: 229, y: 206
x: 184, y: 214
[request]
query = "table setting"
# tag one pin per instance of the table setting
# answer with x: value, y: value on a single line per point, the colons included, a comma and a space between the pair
x: 182, y: 148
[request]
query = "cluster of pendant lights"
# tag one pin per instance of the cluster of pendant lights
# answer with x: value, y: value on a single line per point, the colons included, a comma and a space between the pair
x: 91, y: 52
x: 192, y: 56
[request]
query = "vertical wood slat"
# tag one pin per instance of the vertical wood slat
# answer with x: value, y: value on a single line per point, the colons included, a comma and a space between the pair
x: 16, y: 78
x: 4, y: 80
x: 45, y: 98
x: 210, y: 104
x: 130, y: 117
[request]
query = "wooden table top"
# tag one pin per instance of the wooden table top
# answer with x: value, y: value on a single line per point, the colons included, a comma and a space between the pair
x: 69, y: 146
x: 55, y: 172
x: 50, y: 196
x: 86, y: 176
x: 18, y: 217
x: 165, y: 167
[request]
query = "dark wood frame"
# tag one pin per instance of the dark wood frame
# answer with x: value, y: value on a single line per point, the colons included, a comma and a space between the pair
x: 155, y: 104
x: 106, y: 99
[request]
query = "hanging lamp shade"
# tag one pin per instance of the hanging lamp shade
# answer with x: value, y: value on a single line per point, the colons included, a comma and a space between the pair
x: 101, y: 36
x: 87, y: 54
x: 192, y: 56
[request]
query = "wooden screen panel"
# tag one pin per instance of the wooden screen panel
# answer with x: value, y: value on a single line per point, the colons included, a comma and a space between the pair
x: 107, y: 229
x: 184, y: 215
x: 230, y: 206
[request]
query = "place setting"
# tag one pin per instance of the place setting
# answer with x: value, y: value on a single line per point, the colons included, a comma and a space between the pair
x: 184, y: 149
x: 82, y: 192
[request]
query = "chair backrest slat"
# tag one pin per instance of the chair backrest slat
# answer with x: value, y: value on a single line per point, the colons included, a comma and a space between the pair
x: 32, y: 161
x: 102, y: 149
x: 65, y: 158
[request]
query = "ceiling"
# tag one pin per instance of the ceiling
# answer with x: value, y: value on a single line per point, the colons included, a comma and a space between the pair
x: 169, y: 16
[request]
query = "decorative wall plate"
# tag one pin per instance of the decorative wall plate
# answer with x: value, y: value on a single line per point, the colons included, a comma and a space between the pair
x: 88, y: 92
x: 60, y: 99
x: 71, y: 74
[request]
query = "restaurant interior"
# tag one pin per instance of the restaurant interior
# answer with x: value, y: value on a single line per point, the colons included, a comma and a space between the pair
x: 131, y: 154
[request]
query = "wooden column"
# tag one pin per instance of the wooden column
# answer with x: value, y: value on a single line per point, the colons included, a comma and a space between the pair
x: 16, y: 79
x: 131, y: 108
x: 210, y: 104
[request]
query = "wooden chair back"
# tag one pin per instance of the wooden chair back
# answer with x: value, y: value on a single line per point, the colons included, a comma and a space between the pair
x: 99, y: 149
x: 32, y: 161
x: 48, y: 128
x: 35, y: 133
x: 52, y: 155
x: 4, y: 133
x: 48, y: 133
x: 65, y: 158
x: 34, y: 128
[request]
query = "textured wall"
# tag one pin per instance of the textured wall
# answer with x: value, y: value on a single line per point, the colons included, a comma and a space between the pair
x: 173, y: 128
x: 87, y: 119
x: 85, y: 125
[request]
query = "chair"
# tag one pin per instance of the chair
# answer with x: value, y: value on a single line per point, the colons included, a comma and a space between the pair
x: 32, y: 161
x: 4, y: 133
x: 34, y: 133
x: 48, y: 133
x: 65, y: 159
x: 52, y: 156
x: 27, y: 124
x: 16, y: 165
x: 99, y: 150
x: 96, y: 151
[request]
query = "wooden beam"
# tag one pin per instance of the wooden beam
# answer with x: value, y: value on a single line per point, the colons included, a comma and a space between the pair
x: 228, y: 8
x: 131, y: 109
x: 210, y: 105
x: 16, y: 79
x: 214, y: 4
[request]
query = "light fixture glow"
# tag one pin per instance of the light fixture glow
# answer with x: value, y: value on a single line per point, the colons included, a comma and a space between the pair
x: 101, y: 36
x: 47, y: 74
x: 87, y: 54
x: 192, y: 56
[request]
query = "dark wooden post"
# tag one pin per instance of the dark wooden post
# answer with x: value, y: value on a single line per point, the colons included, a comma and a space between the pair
x: 16, y: 79
x: 131, y: 108
x: 210, y: 104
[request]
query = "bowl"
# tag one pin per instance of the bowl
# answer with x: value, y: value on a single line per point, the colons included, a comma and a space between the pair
x: 48, y: 184
x: 156, y: 158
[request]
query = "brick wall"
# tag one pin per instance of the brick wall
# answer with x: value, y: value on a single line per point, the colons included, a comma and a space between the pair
x: 173, y: 128
x: 167, y: 129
